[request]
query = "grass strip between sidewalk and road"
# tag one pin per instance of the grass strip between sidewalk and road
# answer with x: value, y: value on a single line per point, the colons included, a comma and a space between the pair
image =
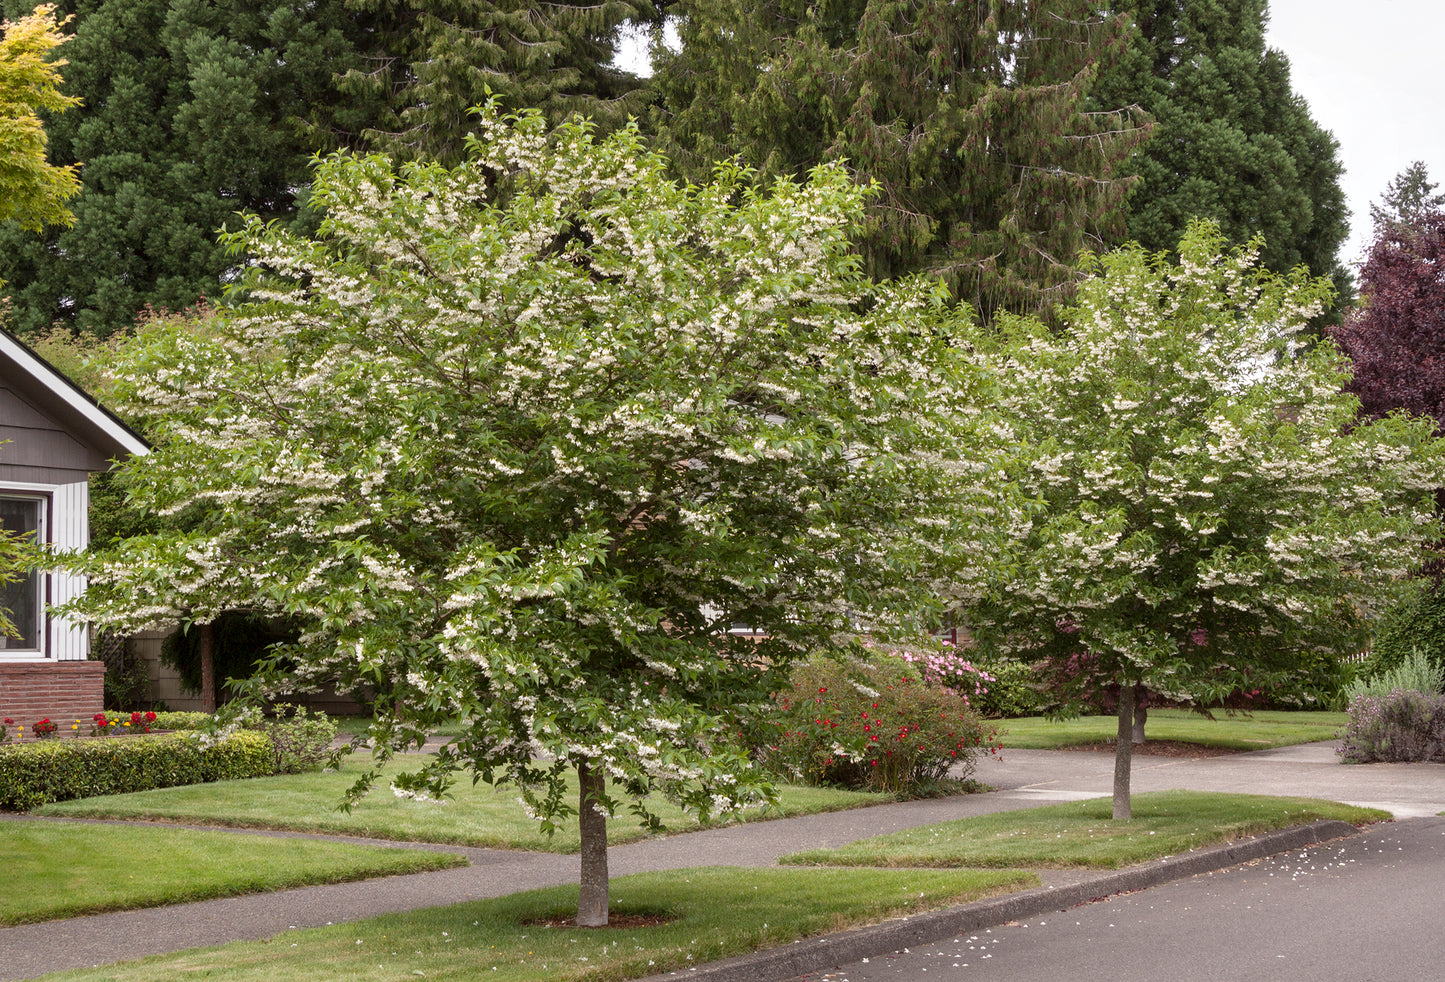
x: 716, y: 913
x: 1262, y: 730
x: 478, y: 815
x: 66, y: 869
x: 1083, y: 833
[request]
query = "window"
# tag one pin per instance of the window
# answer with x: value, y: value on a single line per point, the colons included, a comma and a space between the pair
x: 22, y: 598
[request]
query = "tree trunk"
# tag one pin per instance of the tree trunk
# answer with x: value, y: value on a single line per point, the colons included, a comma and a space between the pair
x: 1124, y: 753
x: 592, y: 823
x: 207, y: 650
x: 1141, y: 713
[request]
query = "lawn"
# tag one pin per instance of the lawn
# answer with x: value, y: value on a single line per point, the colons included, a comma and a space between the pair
x: 1083, y: 833
x: 63, y: 869
x: 716, y: 913
x: 477, y: 816
x: 1241, y: 731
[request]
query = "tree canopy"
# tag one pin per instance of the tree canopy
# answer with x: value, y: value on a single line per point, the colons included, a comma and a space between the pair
x: 1409, y: 197
x: 1210, y: 512
x: 519, y: 441
x: 970, y: 119
x: 33, y: 191
x: 1233, y: 142
x: 192, y: 110
x: 427, y: 62
x: 1396, y: 337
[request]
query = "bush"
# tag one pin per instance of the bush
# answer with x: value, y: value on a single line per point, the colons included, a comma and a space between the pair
x: 869, y: 720
x: 34, y: 774
x: 180, y: 721
x: 1416, y: 625
x: 299, y: 742
x: 1403, y: 726
x: 1014, y: 690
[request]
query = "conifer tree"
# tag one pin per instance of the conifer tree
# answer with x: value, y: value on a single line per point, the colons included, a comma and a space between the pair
x: 1407, y: 199
x: 430, y: 61
x: 192, y: 110
x: 969, y: 118
x: 1233, y: 143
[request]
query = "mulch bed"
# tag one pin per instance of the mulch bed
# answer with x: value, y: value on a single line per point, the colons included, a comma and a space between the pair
x: 613, y: 921
x: 1158, y: 748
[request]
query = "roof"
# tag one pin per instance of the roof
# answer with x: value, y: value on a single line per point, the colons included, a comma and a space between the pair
x: 69, y: 403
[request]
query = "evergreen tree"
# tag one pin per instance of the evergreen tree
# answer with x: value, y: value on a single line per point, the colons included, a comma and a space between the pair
x: 192, y: 111
x: 1233, y: 143
x: 969, y: 118
x: 1407, y: 199
x: 430, y: 61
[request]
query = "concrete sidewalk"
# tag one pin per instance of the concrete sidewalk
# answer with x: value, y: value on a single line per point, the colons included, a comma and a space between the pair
x: 1023, y: 779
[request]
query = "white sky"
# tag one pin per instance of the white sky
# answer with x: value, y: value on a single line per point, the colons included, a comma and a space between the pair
x: 1371, y: 71
x: 1373, y: 74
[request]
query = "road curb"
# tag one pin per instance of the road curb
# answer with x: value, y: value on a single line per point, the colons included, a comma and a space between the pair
x: 832, y: 950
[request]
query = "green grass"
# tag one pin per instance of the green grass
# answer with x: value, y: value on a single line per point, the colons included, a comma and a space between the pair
x: 477, y: 816
x: 1082, y: 833
x: 1253, y: 731
x: 62, y: 869
x: 353, y: 726
x: 719, y: 913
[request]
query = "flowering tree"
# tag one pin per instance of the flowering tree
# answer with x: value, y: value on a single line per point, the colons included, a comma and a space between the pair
x: 1207, y: 507
x: 522, y: 440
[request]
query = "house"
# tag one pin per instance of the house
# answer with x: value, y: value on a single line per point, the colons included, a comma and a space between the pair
x: 55, y: 436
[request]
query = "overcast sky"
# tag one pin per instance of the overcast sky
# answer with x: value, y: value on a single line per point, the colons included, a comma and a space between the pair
x: 1372, y: 75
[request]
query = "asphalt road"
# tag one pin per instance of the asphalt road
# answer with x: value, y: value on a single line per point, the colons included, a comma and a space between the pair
x: 1358, y: 909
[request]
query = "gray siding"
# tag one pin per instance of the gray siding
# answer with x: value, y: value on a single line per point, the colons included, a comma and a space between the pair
x: 38, y: 450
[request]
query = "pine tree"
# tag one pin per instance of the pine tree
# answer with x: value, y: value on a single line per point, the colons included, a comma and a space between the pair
x: 969, y: 118
x: 1233, y: 142
x: 192, y: 110
x: 1407, y: 199
x: 430, y: 61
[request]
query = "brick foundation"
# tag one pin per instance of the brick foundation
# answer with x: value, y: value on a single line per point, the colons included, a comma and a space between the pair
x: 63, y: 691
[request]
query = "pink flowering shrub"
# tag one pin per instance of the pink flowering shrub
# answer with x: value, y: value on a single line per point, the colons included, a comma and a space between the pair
x: 948, y: 669
x: 873, y: 721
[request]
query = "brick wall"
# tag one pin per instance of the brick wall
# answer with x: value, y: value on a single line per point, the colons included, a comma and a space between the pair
x: 64, y: 691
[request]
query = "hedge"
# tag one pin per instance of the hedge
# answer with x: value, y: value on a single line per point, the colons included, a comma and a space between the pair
x: 41, y: 771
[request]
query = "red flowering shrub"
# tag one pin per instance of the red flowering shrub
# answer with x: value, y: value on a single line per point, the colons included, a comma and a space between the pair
x: 870, y: 720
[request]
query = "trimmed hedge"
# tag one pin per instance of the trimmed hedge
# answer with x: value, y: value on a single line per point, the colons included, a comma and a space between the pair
x: 171, y: 720
x: 36, y: 773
